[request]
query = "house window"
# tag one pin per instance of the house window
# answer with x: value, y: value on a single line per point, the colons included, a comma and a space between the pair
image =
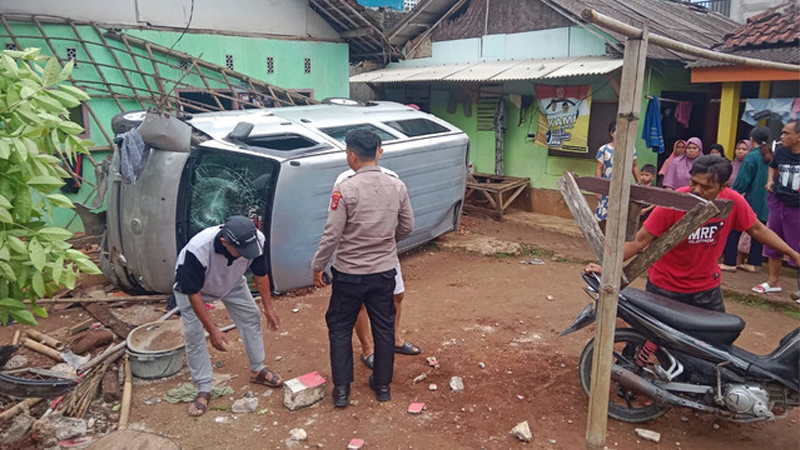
x: 10, y: 46
x: 229, y: 61
x: 270, y: 64
x: 72, y: 54
x: 307, y: 65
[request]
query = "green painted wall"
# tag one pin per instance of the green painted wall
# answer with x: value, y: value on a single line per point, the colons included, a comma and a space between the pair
x: 328, y: 78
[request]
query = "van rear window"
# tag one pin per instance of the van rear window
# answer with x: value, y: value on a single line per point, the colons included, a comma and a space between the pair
x: 283, y: 141
x: 339, y: 133
x: 417, y: 127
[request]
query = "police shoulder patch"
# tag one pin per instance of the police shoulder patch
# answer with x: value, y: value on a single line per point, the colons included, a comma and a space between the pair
x: 335, y: 197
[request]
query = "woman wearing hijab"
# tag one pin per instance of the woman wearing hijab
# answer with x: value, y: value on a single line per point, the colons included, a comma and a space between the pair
x: 741, y: 150
x: 751, y: 182
x: 677, y: 174
x: 678, y: 149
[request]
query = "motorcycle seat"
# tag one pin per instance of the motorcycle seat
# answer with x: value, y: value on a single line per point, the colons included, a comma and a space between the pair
x: 711, y: 326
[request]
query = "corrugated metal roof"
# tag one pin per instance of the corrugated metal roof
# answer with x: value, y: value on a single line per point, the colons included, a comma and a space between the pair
x: 529, y: 69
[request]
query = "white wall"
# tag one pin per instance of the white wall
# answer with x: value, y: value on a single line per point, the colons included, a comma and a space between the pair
x: 742, y: 9
x: 290, y: 18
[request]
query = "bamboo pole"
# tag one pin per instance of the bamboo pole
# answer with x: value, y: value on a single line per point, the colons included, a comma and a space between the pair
x: 43, y: 349
x: 133, y: 298
x: 18, y: 408
x: 15, y: 339
x: 127, y: 390
x: 631, y: 32
x: 45, y: 339
x: 630, y: 105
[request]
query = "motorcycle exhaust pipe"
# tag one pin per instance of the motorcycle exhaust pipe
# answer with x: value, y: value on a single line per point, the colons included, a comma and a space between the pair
x: 639, y: 385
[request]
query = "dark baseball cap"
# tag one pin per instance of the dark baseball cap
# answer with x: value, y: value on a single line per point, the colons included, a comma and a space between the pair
x: 241, y: 233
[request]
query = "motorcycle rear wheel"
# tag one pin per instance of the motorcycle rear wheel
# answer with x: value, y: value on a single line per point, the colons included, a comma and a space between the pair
x: 624, y: 405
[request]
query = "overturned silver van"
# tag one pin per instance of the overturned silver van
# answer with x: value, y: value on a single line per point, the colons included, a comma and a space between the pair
x: 277, y: 167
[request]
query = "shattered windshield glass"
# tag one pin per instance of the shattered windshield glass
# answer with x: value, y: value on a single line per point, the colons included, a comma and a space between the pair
x: 225, y: 184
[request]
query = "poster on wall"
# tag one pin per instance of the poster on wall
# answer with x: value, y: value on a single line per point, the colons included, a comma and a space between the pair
x: 567, y: 111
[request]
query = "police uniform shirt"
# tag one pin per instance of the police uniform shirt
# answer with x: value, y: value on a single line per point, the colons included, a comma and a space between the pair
x: 369, y: 213
x: 204, y: 265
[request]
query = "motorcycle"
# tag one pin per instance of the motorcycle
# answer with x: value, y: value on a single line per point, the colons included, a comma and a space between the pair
x: 676, y: 354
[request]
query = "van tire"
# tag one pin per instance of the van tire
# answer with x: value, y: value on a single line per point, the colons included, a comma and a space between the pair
x: 126, y: 121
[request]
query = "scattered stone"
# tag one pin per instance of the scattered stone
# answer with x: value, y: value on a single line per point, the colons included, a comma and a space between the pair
x: 550, y: 297
x: 221, y: 419
x: 55, y: 427
x: 267, y: 393
x: 219, y: 364
x: 355, y: 444
x: 419, y: 378
x: 295, y: 310
x: 353, y: 402
x: 90, y: 423
x: 416, y: 408
x: 245, y: 405
x: 648, y: 435
x: 18, y: 429
x: 152, y: 401
x: 278, y: 358
x: 569, y: 421
x: 716, y: 426
x: 432, y: 387
x: 481, y: 365
x: 552, y: 441
x: 522, y: 432
x: 433, y: 362
x: 298, y: 434
x: 522, y: 397
x: 303, y: 391
x: 684, y: 419
x: 16, y: 362
x: 110, y: 386
x: 456, y: 384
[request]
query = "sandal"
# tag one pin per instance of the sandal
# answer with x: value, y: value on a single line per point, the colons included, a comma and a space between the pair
x: 268, y: 378
x: 200, y: 406
x: 408, y: 349
x: 765, y: 288
x: 368, y: 361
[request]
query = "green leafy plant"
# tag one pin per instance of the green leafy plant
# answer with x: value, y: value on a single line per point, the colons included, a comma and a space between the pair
x: 35, y: 136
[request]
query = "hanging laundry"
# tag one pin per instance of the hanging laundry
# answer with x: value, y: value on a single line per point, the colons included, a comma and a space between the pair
x: 756, y: 109
x: 683, y: 113
x: 133, y: 155
x: 651, y: 131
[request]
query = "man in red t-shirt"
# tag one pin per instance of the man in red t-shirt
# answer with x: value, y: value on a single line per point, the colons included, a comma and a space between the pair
x: 689, y: 272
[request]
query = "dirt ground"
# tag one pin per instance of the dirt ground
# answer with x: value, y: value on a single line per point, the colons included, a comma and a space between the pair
x: 464, y: 309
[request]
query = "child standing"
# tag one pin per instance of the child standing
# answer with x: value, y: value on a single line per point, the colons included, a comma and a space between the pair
x: 647, y: 175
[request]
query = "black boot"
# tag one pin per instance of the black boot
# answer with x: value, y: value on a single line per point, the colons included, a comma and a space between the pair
x: 382, y: 393
x: 341, y: 395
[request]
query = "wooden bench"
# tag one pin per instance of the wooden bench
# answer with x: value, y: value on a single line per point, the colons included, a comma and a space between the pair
x: 493, y: 194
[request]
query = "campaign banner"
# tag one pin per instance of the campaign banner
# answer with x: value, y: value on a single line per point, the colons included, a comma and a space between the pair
x: 567, y: 111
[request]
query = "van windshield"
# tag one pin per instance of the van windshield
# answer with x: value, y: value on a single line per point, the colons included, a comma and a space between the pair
x: 339, y: 133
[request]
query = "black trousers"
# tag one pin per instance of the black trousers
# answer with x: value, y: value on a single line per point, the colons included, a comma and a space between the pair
x: 349, y: 293
x: 709, y: 299
x: 754, y: 258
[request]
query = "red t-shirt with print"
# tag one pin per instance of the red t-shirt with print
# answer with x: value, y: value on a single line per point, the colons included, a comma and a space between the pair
x: 692, y: 265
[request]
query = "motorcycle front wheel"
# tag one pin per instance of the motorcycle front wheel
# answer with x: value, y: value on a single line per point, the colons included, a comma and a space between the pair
x: 625, y: 405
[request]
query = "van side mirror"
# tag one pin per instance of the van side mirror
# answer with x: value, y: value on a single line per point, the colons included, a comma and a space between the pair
x: 241, y: 131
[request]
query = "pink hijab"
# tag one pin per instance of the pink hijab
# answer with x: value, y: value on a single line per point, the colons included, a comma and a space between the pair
x: 736, y: 163
x: 671, y: 158
x: 678, y: 174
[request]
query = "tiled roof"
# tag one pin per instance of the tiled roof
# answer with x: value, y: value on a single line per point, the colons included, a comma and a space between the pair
x: 788, y: 55
x: 777, y: 26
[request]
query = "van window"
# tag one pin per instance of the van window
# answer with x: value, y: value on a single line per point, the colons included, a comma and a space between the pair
x: 417, y: 127
x: 339, y: 133
x: 282, y: 142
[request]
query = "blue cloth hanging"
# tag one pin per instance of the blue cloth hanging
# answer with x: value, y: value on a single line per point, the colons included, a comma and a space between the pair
x: 651, y: 132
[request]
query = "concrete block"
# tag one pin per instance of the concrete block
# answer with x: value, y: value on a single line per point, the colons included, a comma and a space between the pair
x: 648, y: 435
x: 416, y: 408
x: 355, y: 444
x: 303, y: 391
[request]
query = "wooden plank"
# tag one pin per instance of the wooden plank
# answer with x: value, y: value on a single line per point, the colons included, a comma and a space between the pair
x: 634, y: 214
x: 675, y: 235
x: 583, y: 214
x: 654, y: 196
x: 630, y: 104
x: 102, y: 312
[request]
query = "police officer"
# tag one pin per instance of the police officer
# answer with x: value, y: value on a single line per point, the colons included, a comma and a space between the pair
x: 212, y: 266
x: 369, y: 213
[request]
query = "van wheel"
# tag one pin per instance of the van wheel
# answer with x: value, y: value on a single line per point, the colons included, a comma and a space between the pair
x: 124, y: 122
x: 343, y: 101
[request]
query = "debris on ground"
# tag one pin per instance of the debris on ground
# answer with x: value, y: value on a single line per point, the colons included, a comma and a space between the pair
x: 245, y: 405
x: 419, y: 378
x: 18, y: 429
x: 355, y: 444
x: 416, y: 408
x: 522, y: 432
x: 534, y: 261
x: 648, y: 435
x: 456, y: 384
x: 432, y: 362
x: 298, y: 434
x: 303, y: 391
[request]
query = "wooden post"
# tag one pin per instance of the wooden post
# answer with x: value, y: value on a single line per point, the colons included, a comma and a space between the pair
x: 630, y: 105
x: 127, y: 391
